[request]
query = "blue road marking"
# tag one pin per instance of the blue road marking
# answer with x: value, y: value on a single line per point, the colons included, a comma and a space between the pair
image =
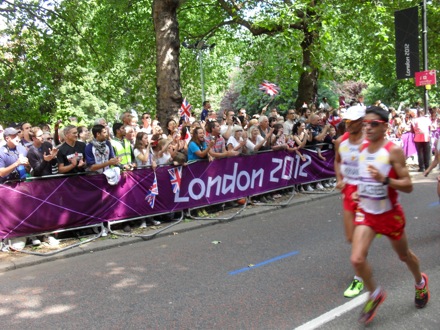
x: 238, y: 271
x: 433, y: 204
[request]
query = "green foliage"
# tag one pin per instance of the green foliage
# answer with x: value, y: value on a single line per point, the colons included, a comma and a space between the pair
x: 90, y: 59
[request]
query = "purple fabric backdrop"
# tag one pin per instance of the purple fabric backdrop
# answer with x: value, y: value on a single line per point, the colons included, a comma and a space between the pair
x: 47, y: 205
x: 409, y: 147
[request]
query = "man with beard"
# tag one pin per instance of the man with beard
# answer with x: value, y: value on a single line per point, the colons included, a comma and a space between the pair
x: 99, y: 152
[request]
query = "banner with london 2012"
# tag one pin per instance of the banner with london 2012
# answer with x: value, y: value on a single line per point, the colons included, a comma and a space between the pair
x: 68, y: 202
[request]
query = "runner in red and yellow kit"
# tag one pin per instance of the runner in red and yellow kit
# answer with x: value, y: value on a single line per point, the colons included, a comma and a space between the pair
x: 382, y: 172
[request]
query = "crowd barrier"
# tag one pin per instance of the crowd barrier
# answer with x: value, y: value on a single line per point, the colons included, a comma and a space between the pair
x: 48, y: 205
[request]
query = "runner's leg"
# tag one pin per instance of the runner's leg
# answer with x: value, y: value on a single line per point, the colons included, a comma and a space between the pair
x: 407, y: 256
x: 362, y: 238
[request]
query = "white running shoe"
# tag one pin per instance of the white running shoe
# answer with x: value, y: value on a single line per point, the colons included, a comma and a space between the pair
x: 35, y: 241
x: 319, y: 186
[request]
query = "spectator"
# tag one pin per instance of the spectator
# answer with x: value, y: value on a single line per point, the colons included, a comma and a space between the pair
x: 255, y: 141
x: 273, y: 113
x: 408, y: 120
x: 2, y: 138
x: 45, y: 127
x: 99, y: 152
x: 290, y: 121
x: 205, y: 110
x: 146, y: 124
x: 318, y: 134
x: 434, y: 119
x: 135, y: 126
x: 83, y: 134
x: 130, y: 135
x: 272, y: 121
x: 197, y: 148
x: 330, y: 138
x: 236, y: 142
x: 243, y: 122
x: 142, y: 151
x: 159, y: 131
x: 42, y: 155
x: 26, y: 141
x: 122, y: 147
x: 242, y: 112
x: 71, y: 154
x: 229, y: 121
x: 12, y: 157
x: 47, y: 137
x: 164, y: 152
x: 360, y: 101
x: 422, y: 139
x: 305, y: 114
x: 126, y: 118
x: 263, y: 126
x: 279, y: 140
x: 172, y: 129
x: 218, y: 150
x: 334, y: 118
x: 324, y: 104
x: 300, y: 137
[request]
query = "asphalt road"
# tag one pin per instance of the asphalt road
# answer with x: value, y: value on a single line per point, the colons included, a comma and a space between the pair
x: 276, y: 270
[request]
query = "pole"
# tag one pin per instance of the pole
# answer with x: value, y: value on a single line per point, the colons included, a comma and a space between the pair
x: 425, y: 52
x: 202, y: 82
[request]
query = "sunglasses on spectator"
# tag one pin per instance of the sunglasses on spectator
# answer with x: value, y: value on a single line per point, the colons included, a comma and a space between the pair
x: 373, y: 123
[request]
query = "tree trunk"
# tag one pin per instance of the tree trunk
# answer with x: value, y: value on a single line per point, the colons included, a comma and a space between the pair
x: 308, y: 81
x: 169, y: 95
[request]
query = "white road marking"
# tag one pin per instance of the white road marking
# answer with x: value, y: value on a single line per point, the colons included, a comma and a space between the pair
x: 334, y: 313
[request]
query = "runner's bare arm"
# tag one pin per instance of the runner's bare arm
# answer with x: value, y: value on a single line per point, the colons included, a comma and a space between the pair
x: 397, y: 160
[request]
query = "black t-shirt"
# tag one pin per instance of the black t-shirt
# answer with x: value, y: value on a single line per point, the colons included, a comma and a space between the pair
x: 66, y: 152
x: 39, y: 165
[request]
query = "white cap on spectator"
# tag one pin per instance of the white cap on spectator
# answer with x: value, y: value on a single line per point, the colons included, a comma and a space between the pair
x: 113, y: 175
x: 354, y: 113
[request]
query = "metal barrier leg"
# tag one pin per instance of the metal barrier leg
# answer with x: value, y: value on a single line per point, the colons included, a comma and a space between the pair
x: 241, y: 209
x: 144, y: 236
x: 47, y: 254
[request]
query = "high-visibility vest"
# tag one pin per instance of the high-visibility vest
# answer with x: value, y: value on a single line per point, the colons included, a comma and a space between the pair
x: 122, y: 150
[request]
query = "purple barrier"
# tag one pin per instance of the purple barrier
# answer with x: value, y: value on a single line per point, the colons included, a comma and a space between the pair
x: 409, y: 147
x: 68, y: 202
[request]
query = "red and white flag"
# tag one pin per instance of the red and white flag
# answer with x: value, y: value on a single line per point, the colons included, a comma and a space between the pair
x: 152, y: 192
x: 185, y: 110
x: 269, y: 88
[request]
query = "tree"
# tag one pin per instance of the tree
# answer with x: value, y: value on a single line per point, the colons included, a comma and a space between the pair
x: 169, y: 96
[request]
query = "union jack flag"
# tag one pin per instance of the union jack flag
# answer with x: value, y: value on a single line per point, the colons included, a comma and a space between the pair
x: 175, y: 178
x: 185, y: 110
x: 152, y: 193
x: 269, y: 88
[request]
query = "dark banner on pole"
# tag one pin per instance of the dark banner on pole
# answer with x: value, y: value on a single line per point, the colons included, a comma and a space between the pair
x: 406, y: 24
